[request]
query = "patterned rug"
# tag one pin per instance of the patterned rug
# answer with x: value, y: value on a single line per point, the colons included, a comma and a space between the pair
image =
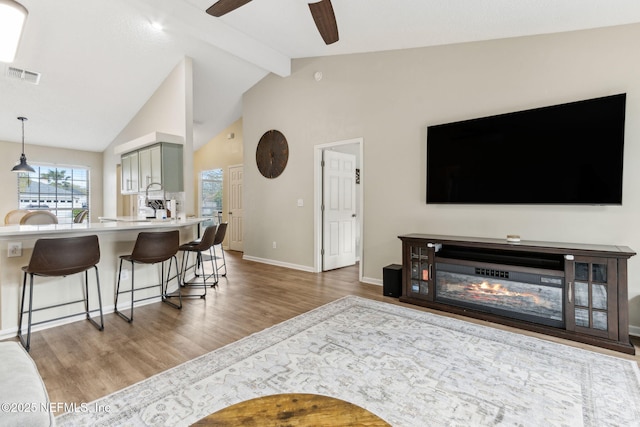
x: 409, y: 367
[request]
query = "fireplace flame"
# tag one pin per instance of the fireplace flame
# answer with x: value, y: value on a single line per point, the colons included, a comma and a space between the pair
x: 496, y: 289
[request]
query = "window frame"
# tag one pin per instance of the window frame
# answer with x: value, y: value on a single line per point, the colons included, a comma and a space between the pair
x: 63, y: 190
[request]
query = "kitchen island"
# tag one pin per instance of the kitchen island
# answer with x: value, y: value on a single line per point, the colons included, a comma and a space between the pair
x: 116, y: 237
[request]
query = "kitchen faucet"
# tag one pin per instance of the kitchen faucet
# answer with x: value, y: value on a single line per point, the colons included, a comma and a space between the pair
x: 146, y: 195
x: 146, y: 191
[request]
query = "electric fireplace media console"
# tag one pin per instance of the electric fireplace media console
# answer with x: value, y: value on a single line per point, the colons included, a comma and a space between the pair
x: 572, y: 291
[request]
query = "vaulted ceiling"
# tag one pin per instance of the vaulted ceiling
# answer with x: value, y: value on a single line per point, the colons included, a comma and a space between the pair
x: 101, y: 60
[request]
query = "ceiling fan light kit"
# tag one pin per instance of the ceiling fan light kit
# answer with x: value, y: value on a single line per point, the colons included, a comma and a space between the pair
x: 321, y: 11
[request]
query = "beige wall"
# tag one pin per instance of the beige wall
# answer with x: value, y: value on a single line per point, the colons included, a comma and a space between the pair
x: 37, y: 154
x: 390, y: 98
x: 219, y: 153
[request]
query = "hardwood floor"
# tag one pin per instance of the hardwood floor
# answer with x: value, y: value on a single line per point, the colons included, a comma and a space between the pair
x: 80, y: 364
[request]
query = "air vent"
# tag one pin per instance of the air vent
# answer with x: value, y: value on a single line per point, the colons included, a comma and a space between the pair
x: 27, y: 76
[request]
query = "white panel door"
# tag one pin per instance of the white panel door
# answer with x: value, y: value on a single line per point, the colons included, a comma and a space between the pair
x: 339, y: 210
x: 236, y: 209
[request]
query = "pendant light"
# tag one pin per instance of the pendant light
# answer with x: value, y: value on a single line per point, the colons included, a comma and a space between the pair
x: 23, y: 166
x: 12, y: 18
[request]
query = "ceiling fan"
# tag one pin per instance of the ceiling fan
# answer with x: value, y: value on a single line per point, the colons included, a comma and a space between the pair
x: 321, y: 11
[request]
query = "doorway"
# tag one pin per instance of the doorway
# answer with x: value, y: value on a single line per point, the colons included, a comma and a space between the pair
x: 236, y: 209
x: 355, y: 147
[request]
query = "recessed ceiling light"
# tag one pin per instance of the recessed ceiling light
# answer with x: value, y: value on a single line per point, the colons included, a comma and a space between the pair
x: 158, y: 26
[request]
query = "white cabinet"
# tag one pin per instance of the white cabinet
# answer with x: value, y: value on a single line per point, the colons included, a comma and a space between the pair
x: 159, y: 163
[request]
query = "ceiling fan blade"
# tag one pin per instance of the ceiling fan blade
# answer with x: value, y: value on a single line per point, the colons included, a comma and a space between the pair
x: 222, y: 7
x: 325, y: 20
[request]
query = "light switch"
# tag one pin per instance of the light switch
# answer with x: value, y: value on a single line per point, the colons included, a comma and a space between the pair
x: 300, y: 203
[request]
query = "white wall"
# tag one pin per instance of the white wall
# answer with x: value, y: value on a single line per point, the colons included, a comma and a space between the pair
x: 389, y: 98
x: 169, y: 110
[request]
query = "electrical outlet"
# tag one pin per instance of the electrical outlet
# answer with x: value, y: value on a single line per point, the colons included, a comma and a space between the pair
x: 14, y: 249
x: 124, y: 274
x: 274, y: 245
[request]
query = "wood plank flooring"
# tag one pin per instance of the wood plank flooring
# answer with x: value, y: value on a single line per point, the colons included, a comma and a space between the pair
x: 80, y: 364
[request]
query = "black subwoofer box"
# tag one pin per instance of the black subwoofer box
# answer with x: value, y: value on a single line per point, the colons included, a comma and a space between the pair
x: 392, y: 280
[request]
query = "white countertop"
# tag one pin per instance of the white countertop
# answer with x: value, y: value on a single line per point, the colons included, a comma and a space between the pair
x: 110, y: 224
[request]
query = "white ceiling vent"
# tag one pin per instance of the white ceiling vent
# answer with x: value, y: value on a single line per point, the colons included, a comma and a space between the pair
x: 27, y: 76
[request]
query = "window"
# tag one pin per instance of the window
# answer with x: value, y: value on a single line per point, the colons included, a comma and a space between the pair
x: 61, y: 190
x: 211, y: 195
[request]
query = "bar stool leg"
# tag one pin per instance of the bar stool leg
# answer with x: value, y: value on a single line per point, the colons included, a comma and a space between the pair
x: 26, y: 344
x: 121, y: 314
x: 165, y: 284
x: 199, y: 267
x: 224, y: 263
x: 198, y: 271
x: 132, y: 289
x: 185, y: 263
x: 214, y: 266
x: 20, y: 315
x: 99, y: 297
x: 100, y: 325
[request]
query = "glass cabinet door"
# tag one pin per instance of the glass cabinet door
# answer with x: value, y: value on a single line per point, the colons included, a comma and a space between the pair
x: 421, y: 269
x: 592, y: 296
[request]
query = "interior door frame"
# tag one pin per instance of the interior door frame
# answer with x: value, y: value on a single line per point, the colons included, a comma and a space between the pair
x: 231, y: 230
x: 317, y: 211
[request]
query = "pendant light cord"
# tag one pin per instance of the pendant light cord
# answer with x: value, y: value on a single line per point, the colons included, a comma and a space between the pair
x: 22, y: 119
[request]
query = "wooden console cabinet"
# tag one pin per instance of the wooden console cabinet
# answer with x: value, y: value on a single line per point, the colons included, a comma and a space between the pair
x: 593, y: 280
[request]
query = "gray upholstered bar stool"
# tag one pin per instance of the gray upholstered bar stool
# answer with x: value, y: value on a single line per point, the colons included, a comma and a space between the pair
x: 205, y: 244
x: 152, y: 247
x: 56, y: 258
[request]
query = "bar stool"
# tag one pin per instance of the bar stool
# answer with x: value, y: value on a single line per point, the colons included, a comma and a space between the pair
x: 220, y: 233
x: 152, y: 248
x: 57, y: 258
x: 199, y: 246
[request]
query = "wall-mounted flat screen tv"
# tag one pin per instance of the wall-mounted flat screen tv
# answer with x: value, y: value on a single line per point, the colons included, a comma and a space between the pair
x: 563, y: 154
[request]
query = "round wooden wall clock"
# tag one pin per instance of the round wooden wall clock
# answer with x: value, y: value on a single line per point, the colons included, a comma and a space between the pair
x: 272, y: 154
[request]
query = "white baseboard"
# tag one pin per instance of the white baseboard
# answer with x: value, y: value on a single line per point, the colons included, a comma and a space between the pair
x: 279, y: 263
x: 634, y: 330
x: 372, y: 281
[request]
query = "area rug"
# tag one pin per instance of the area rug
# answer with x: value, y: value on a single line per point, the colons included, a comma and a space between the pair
x: 409, y: 367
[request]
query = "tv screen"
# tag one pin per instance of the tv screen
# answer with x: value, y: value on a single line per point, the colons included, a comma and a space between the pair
x: 563, y: 154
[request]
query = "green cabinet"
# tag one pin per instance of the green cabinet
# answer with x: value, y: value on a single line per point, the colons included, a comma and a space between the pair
x: 161, y: 163
x: 129, y: 171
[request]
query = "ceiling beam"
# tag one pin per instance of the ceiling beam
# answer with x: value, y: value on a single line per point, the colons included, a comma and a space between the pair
x: 196, y: 23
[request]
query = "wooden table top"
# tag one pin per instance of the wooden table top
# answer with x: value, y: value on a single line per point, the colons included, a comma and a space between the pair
x: 292, y: 409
